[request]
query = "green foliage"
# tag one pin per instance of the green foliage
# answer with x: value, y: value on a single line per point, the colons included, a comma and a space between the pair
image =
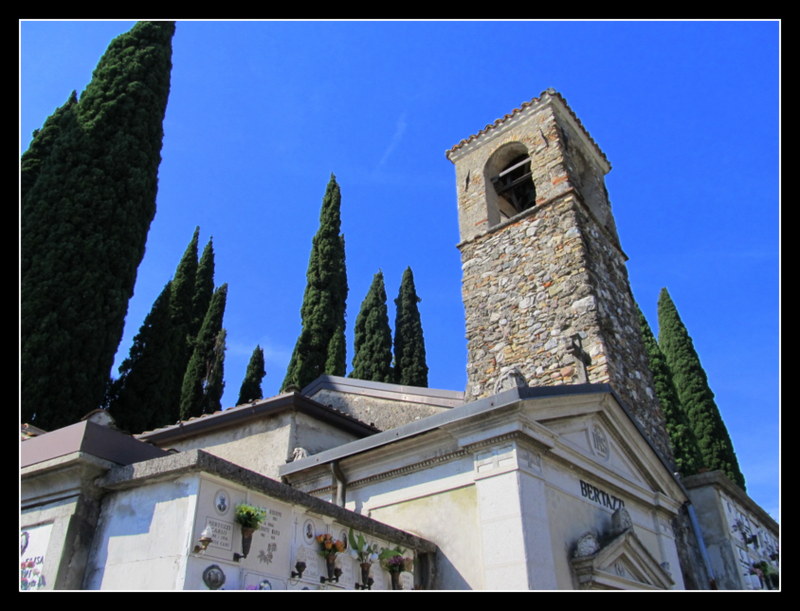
x: 163, y: 354
x: 694, y: 393
x: 681, y: 435
x: 392, y: 559
x: 183, y: 287
x: 249, y: 516
x: 373, y: 337
x: 89, y: 191
x: 202, y: 383
x: 203, y: 288
x: 215, y: 378
x: 410, y: 366
x: 137, y: 400
x: 359, y: 548
x: 43, y: 141
x: 251, y: 385
x: 181, y: 313
x: 320, y: 348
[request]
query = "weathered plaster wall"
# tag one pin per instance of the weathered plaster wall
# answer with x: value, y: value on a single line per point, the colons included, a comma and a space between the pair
x: 315, y: 436
x: 266, y: 444
x: 452, y: 515
x: 60, y: 508
x: 143, y: 537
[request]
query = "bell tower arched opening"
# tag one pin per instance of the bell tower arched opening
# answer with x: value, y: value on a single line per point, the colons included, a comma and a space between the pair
x: 510, y: 189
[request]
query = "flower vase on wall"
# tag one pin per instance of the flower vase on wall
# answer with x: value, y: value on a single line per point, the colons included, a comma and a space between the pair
x: 247, y: 540
x: 365, y: 566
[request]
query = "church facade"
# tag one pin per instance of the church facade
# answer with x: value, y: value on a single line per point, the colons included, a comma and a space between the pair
x: 552, y: 470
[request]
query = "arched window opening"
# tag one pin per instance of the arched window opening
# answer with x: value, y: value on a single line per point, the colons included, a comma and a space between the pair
x: 513, y: 185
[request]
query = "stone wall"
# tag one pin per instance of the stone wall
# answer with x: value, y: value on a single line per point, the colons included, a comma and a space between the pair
x: 383, y: 413
x: 384, y: 406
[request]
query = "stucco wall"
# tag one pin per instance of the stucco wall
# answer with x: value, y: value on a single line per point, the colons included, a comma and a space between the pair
x: 266, y: 444
x: 143, y: 537
x: 452, y: 515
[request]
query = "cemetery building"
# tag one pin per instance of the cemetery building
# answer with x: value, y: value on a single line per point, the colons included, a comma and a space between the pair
x: 551, y: 470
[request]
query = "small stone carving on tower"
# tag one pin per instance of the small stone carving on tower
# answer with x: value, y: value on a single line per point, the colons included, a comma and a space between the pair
x: 512, y: 378
x: 580, y: 358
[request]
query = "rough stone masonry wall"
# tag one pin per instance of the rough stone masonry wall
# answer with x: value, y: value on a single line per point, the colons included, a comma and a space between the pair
x: 626, y: 360
x: 382, y: 413
x: 530, y: 285
x: 524, y: 286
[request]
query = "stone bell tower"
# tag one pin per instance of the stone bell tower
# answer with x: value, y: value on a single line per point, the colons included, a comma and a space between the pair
x: 544, y: 285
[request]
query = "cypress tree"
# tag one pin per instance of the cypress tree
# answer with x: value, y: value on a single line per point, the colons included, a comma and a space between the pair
x: 88, y: 200
x: 182, y: 333
x: 681, y: 435
x: 43, y: 141
x: 694, y: 393
x: 410, y: 366
x: 250, y: 389
x: 320, y: 348
x: 215, y: 383
x: 174, y: 341
x: 203, y: 288
x: 202, y: 380
x: 373, y: 337
x: 137, y: 398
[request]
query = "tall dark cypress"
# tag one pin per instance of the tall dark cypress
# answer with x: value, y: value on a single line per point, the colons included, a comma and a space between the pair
x: 372, y: 359
x: 681, y: 435
x: 86, y: 211
x: 410, y: 365
x: 42, y: 143
x: 168, y: 347
x: 201, y: 392
x: 250, y: 390
x: 137, y: 397
x: 203, y: 288
x: 215, y: 378
x: 694, y: 393
x: 320, y: 346
x: 183, y: 289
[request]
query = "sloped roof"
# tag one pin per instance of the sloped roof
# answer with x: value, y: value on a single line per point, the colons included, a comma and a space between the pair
x: 646, y: 456
x: 398, y: 392
x: 254, y: 410
x: 88, y: 438
x: 544, y: 96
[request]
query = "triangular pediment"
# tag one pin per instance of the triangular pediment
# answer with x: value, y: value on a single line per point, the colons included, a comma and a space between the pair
x: 622, y: 563
x: 594, y: 429
x: 597, y: 438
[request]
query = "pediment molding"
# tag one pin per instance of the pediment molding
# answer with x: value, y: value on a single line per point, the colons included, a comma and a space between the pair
x: 595, y: 432
x: 621, y: 563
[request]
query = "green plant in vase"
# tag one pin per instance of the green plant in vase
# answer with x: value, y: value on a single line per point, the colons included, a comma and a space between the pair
x: 393, y: 559
x: 365, y: 554
x: 249, y: 518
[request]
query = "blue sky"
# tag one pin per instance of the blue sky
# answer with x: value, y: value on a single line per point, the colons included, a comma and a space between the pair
x: 262, y: 112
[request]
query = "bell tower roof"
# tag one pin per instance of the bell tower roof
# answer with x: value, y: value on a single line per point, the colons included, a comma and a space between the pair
x: 549, y: 96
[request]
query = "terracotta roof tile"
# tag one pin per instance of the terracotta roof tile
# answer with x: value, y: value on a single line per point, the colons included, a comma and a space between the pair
x: 516, y: 111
